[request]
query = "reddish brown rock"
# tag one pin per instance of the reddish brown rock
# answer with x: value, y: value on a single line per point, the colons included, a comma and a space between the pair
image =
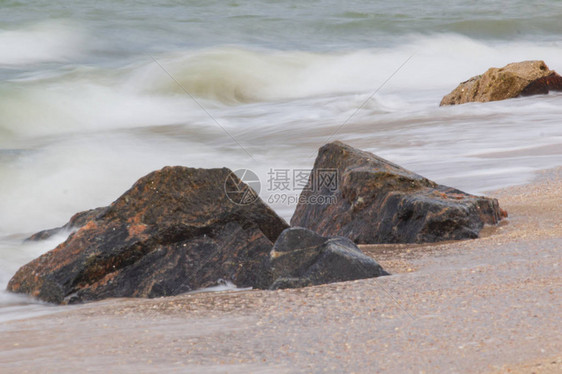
x: 174, y: 231
x: 513, y: 80
x: 375, y: 201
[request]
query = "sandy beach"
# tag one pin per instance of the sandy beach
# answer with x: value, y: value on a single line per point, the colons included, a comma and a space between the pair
x: 490, y: 305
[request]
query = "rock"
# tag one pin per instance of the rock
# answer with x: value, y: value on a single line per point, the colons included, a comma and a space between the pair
x: 174, y: 231
x: 77, y: 221
x: 301, y: 257
x: 513, y: 80
x: 371, y: 200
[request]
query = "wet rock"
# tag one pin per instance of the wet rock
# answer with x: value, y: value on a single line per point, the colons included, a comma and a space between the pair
x: 367, y: 199
x: 513, y: 80
x: 301, y: 257
x: 77, y: 221
x: 174, y: 231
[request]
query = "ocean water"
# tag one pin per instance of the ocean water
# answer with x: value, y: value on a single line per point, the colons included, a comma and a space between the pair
x: 95, y: 95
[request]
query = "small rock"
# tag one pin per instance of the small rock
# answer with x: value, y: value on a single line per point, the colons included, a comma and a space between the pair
x: 513, y: 80
x: 301, y: 257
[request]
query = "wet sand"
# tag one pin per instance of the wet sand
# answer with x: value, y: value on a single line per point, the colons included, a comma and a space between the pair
x: 491, y: 305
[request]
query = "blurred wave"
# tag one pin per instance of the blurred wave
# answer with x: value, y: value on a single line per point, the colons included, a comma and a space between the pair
x: 143, y: 94
x: 48, y: 41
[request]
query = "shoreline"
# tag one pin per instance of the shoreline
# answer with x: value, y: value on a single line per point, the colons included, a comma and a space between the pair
x: 483, y: 305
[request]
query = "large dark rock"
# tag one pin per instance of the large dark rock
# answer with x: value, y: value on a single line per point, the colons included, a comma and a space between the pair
x: 513, y: 80
x: 301, y: 257
x: 174, y: 231
x: 371, y: 200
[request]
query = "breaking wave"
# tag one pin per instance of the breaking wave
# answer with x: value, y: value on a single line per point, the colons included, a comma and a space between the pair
x: 38, y: 43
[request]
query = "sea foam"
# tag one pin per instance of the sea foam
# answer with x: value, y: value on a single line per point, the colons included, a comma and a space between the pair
x: 48, y: 41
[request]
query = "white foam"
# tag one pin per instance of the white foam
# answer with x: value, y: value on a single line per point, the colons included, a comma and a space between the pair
x: 222, y: 285
x: 42, y: 42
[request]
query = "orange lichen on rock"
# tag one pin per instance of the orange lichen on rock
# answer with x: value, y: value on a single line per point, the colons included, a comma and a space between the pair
x: 136, y: 230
